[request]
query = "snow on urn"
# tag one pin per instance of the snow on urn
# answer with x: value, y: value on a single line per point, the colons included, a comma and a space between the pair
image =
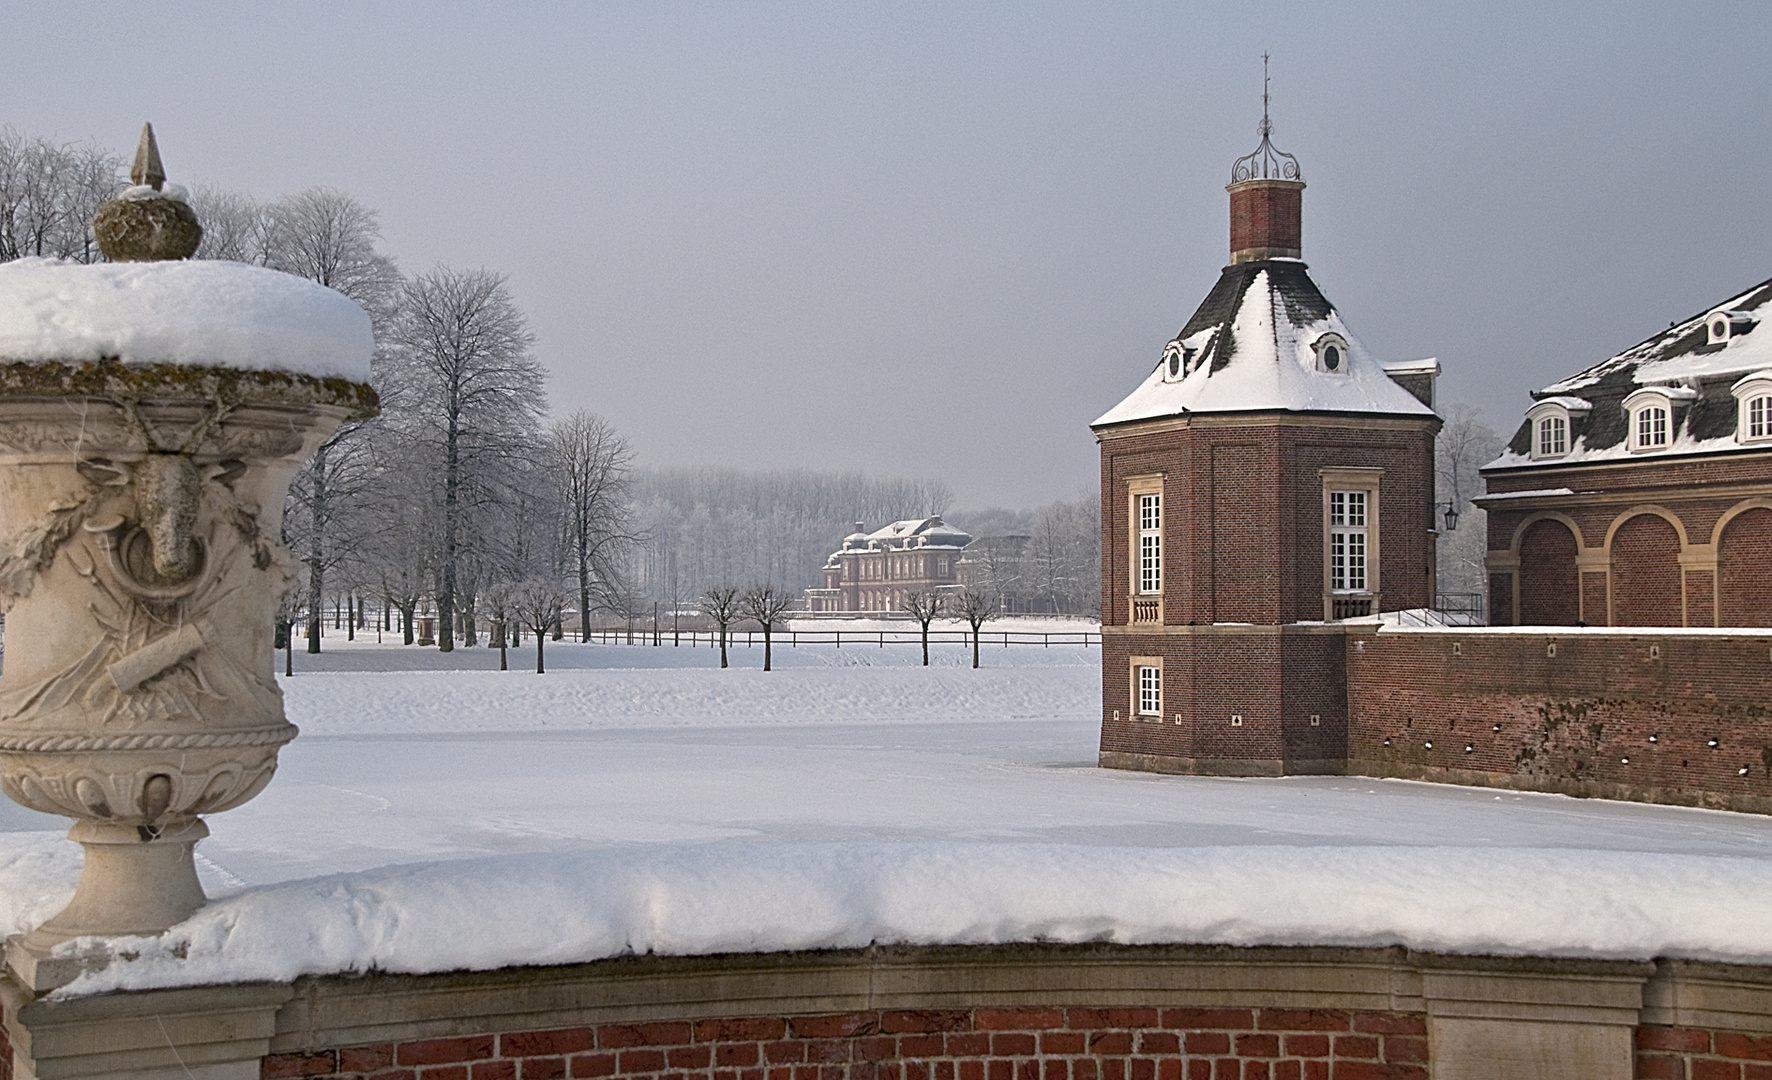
x: 153, y: 412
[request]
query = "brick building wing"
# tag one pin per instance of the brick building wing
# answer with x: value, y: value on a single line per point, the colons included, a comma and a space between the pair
x: 1639, y: 491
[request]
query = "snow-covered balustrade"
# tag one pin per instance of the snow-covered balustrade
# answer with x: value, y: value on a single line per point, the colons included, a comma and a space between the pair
x: 152, y: 414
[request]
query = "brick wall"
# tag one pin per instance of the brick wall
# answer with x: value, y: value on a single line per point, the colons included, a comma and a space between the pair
x: 1682, y: 1053
x: 1267, y: 217
x: 1646, y: 586
x: 1742, y: 560
x: 1547, y: 575
x: 1243, y: 517
x: 1655, y: 717
x: 1055, y: 1043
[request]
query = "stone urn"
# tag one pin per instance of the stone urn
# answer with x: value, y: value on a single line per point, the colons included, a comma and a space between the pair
x: 152, y: 416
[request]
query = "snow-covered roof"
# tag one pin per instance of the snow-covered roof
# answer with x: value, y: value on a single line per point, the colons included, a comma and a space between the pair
x: 909, y: 533
x: 1690, y: 363
x: 1253, y: 346
x: 200, y: 313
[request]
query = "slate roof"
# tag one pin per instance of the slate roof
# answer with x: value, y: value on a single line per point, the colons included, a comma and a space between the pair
x: 1251, y: 347
x: 1680, y: 356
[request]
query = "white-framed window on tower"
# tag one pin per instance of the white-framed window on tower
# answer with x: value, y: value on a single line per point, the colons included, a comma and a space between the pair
x: 1145, y: 510
x: 1350, y: 542
x: 1147, y: 688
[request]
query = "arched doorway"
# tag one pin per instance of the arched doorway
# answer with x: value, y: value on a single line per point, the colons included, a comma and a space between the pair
x: 1548, y: 581
x: 1646, y: 588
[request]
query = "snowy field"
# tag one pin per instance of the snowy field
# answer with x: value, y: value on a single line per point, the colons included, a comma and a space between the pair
x: 638, y: 798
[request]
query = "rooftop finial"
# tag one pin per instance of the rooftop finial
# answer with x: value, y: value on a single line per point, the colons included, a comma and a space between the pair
x: 1266, y: 163
x: 150, y: 221
x: 147, y: 169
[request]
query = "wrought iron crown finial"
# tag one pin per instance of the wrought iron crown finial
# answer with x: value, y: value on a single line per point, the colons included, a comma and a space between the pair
x: 1265, y: 163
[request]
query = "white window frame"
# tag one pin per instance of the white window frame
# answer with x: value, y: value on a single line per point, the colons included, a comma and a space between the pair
x: 1553, y: 414
x: 1147, y: 688
x: 1553, y: 436
x: 1322, y: 344
x: 1146, y: 535
x: 1343, y: 482
x: 1650, y: 411
x: 1349, y: 513
x: 1754, y: 390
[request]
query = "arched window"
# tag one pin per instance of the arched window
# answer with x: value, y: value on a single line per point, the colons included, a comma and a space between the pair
x: 1553, y: 426
x: 1753, y: 396
x: 1650, y: 411
x: 1553, y: 436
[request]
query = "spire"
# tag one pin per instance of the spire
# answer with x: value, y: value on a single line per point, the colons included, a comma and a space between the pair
x: 1265, y: 162
x: 147, y: 169
x: 1267, y: 196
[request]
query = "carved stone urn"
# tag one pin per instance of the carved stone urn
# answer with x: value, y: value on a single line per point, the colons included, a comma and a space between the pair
x: 152, y: 416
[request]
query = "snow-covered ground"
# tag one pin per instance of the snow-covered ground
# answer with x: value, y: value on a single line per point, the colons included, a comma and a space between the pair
x: 640, y: 799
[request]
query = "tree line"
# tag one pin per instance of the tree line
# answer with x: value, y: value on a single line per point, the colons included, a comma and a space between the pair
x: 462, y: 504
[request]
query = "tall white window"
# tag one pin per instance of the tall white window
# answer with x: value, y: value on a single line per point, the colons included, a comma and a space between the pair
x: 1651, y: 426
x: 1150, y: 543
x: 1553, y: 436
x: 1347, y: 541
x: 1150, y: 691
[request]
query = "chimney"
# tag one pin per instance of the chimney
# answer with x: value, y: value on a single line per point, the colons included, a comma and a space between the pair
x: 1267, y: 198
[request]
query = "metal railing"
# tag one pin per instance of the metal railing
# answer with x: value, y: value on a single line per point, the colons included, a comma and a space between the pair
x: 840, y: 638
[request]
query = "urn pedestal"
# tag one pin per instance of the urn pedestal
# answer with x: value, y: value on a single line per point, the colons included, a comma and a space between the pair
x: 141, y: 569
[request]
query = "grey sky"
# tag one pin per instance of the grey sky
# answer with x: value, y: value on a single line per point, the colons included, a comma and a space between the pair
x: 939, y: 239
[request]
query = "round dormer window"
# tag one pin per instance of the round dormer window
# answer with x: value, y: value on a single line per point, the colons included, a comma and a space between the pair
x: 1174, y: 362
x: 1719, y: 328
x: 1332, y: 354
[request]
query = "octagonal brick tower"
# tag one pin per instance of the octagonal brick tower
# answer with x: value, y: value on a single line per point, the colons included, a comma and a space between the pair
x: 1268, y: 479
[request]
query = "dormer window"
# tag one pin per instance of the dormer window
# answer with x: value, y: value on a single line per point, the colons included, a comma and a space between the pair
x: 1331, y: 352
x: 1553, y: 436
x: 1553, y: 426
x: 1753, y: 397
x: 1721, y: 326
x: 1174, y: 362
x: 1651, y: 414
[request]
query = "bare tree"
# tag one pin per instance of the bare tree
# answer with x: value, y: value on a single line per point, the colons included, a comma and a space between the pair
x: 592, y: 460
x: 720, y: 604
x: 477, y: 396
x: 48, y: 194
x: 765, y: 604
x: 1465, y: 444
x: 925, y: 607
x: 498, y: 613
x: 976, y: 607
x: 536, y: 602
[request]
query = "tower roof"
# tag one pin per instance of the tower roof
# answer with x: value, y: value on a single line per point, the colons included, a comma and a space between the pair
x: 1260, y: 343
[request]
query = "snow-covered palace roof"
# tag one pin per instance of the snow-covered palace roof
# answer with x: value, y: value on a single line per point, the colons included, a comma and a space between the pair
x: 929, y: 532
x: 1695, y: 366
x: 1266, y: 339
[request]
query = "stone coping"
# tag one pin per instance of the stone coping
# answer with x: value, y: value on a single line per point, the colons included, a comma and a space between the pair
x: 1465, y: 1001
x: 113, y: 380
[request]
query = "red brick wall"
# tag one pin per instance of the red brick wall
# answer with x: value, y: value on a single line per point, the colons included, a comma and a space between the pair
x: 1614, y: 715
x: 961, y: 1044
x: 1646, y: 587
x: 1243, y: 518
x: 1676, y: 1053
x: 1744, y: 568
x: 1547, y: 576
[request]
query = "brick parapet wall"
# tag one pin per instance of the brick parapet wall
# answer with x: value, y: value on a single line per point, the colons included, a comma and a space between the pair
x: 1656, y: 717
x: 1049, y: 1043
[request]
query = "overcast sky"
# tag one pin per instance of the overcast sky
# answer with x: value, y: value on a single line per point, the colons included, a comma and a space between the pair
x: 938, y: 239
